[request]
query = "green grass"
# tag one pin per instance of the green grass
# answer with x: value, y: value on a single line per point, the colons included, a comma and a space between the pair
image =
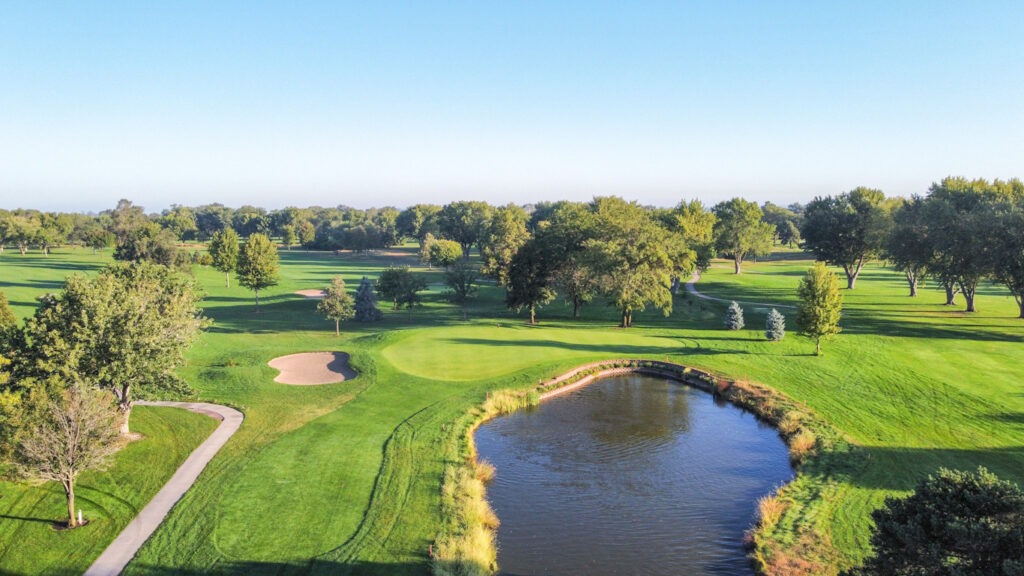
x: 346, y: 478
x: 109, y: 500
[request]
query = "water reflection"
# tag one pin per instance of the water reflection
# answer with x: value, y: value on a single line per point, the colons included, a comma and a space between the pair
x: 630, y: 475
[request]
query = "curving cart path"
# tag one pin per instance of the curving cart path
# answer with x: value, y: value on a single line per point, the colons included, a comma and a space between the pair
x: 123, y: 548
x: 692, y: 289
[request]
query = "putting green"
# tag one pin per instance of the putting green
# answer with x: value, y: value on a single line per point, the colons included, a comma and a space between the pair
x: 463, y: 353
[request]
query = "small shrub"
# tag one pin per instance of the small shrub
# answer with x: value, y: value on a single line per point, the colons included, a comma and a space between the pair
x: 769, y: 510
x: 791, y: 423
x: 801, y: 446
x: 734, y: 317
x: 775, y: 326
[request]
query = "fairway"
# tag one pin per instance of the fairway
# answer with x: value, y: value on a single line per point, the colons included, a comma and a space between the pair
x: 346, y: 476
x: 473, y: 352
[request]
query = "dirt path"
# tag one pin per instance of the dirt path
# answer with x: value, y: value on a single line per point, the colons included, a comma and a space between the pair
x: 123, y: 548
x: 692, y: 289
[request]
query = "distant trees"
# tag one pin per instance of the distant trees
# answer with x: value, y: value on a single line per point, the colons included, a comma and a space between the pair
x: 461, y: 280
x: 504, y: 234
x: 418, y: 221
x: 465, y: 222
x: 74, y: 433
x: 954, y: 524
x: 847, y: 230
x: 909, y: 246
x: 401, y: 287
x: 224, y: 249
x: 739, y: 231
x: 258, y: 265
x: 337, y: 304
x: 820, y: 306
x: 443, y: 253
x: 529, y: 284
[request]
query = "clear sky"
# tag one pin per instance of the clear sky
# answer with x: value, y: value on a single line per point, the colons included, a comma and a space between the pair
x: 371, y: 103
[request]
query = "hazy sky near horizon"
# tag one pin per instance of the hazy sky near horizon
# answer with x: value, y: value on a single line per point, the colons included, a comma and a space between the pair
x: 375, y: 103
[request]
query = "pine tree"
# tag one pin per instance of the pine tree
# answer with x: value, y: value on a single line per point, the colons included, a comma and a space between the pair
x: 775, y: 326
x: 366, y: 302
x: 821, y: 304
x: 734, y: 316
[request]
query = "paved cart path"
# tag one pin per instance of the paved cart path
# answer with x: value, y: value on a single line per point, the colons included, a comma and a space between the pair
x: 123, y: 548
x: 692, y: 289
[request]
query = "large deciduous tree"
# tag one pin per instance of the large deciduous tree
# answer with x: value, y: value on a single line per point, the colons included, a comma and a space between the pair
x: 443, y: 253
x: 635, y: 258
x: 847, y: 230
x: 401, y: 287
x: 73, y: 434
x: 954, y: 524
x: 529, y: 284
x: 337, y: 304
x: 1009, y: 266
x: 563, y: 235
x: 125, y: 330
x: 258, y: 264
x: 465, y: 222
x: 909, y: 246
x: 461, y: 280
x: 739, y: 231
x: 505, y: 233
x: 224, y: 249
x: 820, y: 306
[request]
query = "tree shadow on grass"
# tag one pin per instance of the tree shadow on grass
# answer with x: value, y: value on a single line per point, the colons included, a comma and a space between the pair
x: 909, y: 326
x: 25, y: 519
x: 901, y: 468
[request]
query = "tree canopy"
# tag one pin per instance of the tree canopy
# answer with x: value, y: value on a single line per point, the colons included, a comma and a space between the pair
x: 125, y: 330
x: 337, y: 304
x: 954, y: 524
x: 847, y: 230
x: 820, y: 306
x: 739, y: 231
x: 224, y: 249
x: 258, y: 265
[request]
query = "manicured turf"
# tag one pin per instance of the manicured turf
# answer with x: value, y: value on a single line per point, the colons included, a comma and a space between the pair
x: 345, y: 477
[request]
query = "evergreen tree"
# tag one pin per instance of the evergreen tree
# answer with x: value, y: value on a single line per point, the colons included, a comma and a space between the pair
x: 224, y: 250
x: 954, y: 524
x: 821, y: 304
x: 775, y: 326
x: 336, y: 304
x: 366, y: 303
x: 734, y: 317
x: 258, y: 265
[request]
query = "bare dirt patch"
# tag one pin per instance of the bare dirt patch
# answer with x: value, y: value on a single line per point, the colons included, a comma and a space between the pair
x: 311, y: 368
x: 311, y: 293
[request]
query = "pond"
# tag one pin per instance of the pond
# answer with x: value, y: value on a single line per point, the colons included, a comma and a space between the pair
x: 629, y: 475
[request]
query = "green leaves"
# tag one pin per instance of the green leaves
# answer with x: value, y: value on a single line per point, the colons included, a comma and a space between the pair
x: 821, y: 304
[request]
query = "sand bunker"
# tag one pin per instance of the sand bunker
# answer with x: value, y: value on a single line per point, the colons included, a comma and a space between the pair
x: 311, y: 368
x: 311, y: 293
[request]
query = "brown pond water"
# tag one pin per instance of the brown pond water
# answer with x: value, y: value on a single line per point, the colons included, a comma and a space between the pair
x: 629, y: 475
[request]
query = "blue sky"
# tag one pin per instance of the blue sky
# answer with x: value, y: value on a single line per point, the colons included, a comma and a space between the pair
x: 374, y: 103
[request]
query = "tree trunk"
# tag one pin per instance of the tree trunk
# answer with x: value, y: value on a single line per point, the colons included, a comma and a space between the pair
x: 951, y: 292
x: 337, y: 329
x: 817, y: 346
x: 737, y: 262
x: 969, y: 294
x: 257, y: 299
x: 124, y: 405
x: 1020, y: 304
x: 227, y: 279
x: 912, y: 281
x: 576, y: 308
x: 533, y: 314
x: 69, y: 491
